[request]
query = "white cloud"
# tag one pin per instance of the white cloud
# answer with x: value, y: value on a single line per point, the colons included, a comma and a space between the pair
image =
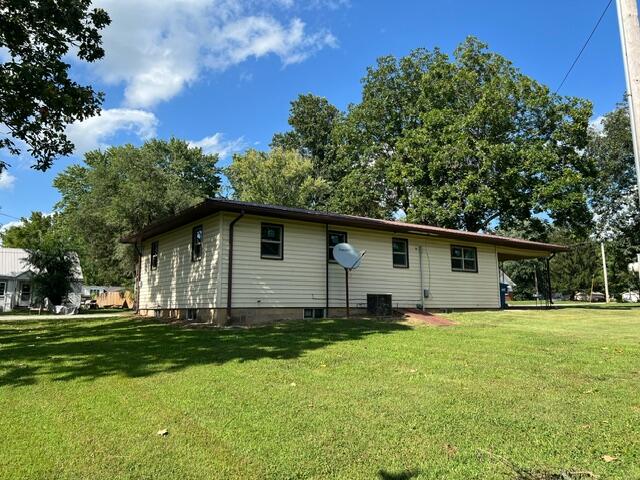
x: 597, y: 124
x: 259, y: 36
x: 157, y: 48
x: 6, y: 181
x: 216, y: 144
x: 96, y: 131
x: 6, y: 226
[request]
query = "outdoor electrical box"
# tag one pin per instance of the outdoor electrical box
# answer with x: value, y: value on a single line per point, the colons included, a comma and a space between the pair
x: 425, y: 293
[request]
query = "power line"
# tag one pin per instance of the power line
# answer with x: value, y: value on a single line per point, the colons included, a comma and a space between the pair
x: 584, y: 46
x: 10, y: 216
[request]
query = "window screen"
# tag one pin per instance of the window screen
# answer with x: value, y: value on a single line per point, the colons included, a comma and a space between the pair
x: 196, y: 243
x: 154, y: 255
x: 400, y: 250
x: 271, y: 241
x: 334, y: 239
x: 464, y: 259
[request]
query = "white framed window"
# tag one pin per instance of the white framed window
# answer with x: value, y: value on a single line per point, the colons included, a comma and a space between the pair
x: 25, y: 292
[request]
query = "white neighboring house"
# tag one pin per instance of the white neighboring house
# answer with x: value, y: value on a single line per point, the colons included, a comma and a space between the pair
x: 15, y: 280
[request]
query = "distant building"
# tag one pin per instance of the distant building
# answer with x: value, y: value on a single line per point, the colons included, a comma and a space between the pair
x: 16, y: 290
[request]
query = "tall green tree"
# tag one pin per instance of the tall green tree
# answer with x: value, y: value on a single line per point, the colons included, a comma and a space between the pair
x: 37, y: 96
x: 122, y: 189
x: 54, y: 267
x: 29, y: 233
x: 312, y: 120
x: 579, y: 269
x: 613, y: 197
x: 278, y: 177
x: 467, y: 142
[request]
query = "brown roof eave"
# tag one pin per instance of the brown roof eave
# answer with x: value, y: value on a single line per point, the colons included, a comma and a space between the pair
x: 211, y: 206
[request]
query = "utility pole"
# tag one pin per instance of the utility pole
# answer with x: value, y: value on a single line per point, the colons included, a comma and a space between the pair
x: 604, y: 271
x: 630, y: 39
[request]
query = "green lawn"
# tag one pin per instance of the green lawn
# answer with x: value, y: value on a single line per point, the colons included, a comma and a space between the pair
x: 538, y: 391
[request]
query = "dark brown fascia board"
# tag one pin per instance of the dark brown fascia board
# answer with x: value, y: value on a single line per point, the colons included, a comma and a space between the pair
x: 211, y: 206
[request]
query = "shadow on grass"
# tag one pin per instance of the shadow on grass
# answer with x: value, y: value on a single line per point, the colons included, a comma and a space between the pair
x: 90, y: 349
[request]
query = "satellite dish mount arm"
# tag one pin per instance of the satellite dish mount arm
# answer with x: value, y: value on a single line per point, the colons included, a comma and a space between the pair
x: 346, y: 279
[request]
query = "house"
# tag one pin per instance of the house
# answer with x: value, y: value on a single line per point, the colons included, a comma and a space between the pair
x: 15, y: 280
x: 227, y: 261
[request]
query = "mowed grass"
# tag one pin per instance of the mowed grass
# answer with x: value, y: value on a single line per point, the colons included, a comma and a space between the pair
x: 535, y: 391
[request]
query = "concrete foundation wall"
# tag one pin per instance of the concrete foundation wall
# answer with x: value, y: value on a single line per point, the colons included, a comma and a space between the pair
x: 245, y: 316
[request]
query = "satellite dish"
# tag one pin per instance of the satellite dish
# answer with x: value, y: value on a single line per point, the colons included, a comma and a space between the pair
x: 347, y: 256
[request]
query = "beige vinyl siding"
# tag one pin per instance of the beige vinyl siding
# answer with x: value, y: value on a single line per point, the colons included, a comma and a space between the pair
x: 447, y: 289
x: 452, y: 289
x: 298, y: 280
x: 376, y: 274
x: 178, y: 282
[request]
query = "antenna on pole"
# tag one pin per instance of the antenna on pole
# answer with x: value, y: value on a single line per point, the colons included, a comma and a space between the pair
x: 349, y: 258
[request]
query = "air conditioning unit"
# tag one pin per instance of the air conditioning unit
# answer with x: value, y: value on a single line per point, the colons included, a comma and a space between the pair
x: 379, y: 304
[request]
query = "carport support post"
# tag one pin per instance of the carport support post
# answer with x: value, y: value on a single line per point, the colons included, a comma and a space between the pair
x: 604, y: 272
x: 549, y: 291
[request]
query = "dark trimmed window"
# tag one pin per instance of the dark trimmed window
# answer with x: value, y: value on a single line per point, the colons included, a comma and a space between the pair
x: 400, y: 250
x: 313, y: 313
x: 154, y: 255
x: 3, y: 287
x: 464, y: 259
x: 334, y: 239
x: 271, y: 241
x: 196, y: 243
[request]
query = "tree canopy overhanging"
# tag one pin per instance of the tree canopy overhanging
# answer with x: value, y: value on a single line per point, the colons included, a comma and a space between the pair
x: 38, y: 99
x: 465, y: 142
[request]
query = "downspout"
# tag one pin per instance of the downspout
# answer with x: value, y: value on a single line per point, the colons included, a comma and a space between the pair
x: 138, y: 275
x: 549, y: 278
x: 421, y: 297
x: 326, y: 268
x: 230, y: 270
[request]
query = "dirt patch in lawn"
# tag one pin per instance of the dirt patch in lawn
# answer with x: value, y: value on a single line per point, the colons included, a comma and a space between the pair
x: 418, y: 316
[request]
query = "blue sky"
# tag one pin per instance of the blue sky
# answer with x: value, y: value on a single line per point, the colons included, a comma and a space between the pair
x: 222, y: 73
